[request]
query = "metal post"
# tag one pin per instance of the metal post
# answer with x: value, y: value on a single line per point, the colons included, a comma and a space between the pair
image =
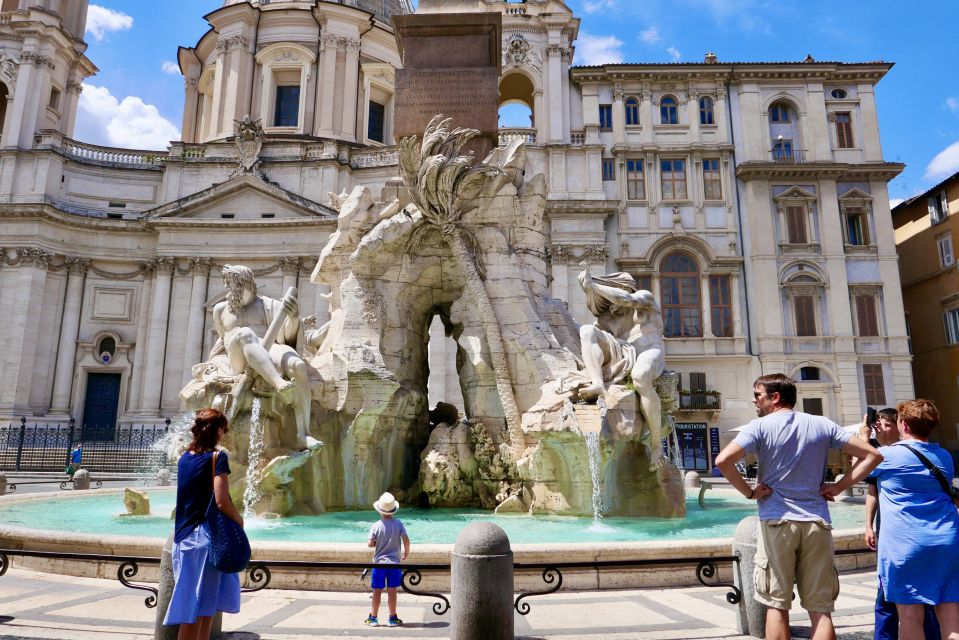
x: 23, y: 435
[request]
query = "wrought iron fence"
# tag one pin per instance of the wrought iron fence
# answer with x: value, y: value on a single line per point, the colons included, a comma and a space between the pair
x: 47, y: 447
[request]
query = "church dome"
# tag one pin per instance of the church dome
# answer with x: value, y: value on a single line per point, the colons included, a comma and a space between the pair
x: 382, y: 9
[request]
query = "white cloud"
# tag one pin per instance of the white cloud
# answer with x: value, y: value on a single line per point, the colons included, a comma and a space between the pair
x: 129, y: 123
x: 171, y: 67
x: 895, y: 202
x: 595, y: 6
x: 944, y: 164
x: 101, y: 21
x: 599, y: 49
x: 650, y: 36
x: 952, y: 104
x: 674, y: 53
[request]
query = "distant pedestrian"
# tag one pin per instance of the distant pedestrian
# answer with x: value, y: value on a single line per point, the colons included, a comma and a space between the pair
x: 76, y: 459
x: 199, y: 589
x: 386, y: 537
x: 795, y: 532
x: 917, y: 551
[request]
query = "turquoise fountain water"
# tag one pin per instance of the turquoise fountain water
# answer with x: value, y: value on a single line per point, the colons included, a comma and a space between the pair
x: 101, y: 515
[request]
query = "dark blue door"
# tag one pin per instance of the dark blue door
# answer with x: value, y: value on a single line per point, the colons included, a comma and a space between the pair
x: 100, y: 408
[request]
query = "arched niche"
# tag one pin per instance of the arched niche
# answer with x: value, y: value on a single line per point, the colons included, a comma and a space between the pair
x: 517, y: 102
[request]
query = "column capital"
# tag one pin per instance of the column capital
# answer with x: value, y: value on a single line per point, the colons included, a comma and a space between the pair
x: 200, y: 266
x: 290, y: 264
x: 78, y: 266
x: 32, y: 256
x: 163, y: 264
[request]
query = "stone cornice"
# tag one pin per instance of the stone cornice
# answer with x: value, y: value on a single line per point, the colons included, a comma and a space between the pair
x: 877, y: 171
x: 733, y: 72
x: 579, y: 208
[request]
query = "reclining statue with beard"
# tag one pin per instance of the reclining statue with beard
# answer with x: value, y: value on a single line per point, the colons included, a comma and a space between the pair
x: 241, y: 321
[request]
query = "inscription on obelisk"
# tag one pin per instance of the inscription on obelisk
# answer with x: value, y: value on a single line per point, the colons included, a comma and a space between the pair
x: 451, y: 65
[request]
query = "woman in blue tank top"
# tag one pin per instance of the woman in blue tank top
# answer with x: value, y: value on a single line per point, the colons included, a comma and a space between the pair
x: 199, y: 589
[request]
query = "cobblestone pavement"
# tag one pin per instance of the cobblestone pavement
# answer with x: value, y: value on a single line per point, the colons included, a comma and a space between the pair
x: 39, y: 605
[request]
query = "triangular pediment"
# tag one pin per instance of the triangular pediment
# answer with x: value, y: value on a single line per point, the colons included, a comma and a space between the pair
x: 855, y: 194
x: 244, y: 198
x: 795, y: 193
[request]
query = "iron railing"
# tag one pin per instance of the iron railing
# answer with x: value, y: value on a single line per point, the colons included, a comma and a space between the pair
x: 47, y: 447
x: 695, y: 401
x: 786, y: 155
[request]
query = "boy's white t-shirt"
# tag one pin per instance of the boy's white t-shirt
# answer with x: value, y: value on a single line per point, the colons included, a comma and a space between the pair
x: 388, y: 534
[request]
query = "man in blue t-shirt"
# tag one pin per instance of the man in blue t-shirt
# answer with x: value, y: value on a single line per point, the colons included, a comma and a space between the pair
x: 795, y: 539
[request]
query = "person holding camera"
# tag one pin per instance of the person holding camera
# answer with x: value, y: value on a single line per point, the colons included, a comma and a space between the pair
x: 880, y: 429
x: 917, y: 559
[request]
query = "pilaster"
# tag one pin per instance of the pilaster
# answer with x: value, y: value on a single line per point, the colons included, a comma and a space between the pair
x: 65, y: 361
x: 156, y: 335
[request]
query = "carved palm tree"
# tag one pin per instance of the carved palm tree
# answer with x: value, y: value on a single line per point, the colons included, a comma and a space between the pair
x: 441, y: 183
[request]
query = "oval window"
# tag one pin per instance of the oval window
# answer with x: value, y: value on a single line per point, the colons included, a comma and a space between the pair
x: 838, y: 94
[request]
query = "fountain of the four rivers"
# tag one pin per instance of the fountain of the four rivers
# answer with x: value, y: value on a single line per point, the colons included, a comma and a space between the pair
x: 563, y: 424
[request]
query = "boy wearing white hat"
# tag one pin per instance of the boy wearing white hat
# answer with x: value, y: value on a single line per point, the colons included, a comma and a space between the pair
x: 386, y: 537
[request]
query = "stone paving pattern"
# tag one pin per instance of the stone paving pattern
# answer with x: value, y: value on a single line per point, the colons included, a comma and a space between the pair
x: 39, y: 605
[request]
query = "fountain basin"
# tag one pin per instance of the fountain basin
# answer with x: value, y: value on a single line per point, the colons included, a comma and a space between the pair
x: 18, y: 532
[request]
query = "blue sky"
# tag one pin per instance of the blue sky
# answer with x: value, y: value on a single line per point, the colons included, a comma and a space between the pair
x: 137, y: 98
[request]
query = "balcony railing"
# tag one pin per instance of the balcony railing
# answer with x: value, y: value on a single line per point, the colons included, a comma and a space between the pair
x: 110, y: 156
x: 787, y: 156
x: 526, y: 134
x: 698, y: 401
x: 577, y: 137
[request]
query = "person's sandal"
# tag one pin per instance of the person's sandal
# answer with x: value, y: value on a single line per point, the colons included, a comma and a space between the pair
x: 372, y: 621
x: 395, y: 621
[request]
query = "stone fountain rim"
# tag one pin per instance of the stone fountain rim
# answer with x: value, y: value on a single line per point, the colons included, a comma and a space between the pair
x: 26, y: 538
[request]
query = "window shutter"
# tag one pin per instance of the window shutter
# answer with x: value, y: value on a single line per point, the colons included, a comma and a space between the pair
x: 805, y: 315
x: 866, y: 314
x: 697, y: 382
x: 796, y: 225
x: 873, y: 383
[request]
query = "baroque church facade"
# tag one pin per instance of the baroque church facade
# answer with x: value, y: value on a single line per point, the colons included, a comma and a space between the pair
x: 750, y: 198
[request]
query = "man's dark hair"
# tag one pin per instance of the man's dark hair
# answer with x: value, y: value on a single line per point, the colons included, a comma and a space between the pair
x: 781, y: 384
x: 889, y: 414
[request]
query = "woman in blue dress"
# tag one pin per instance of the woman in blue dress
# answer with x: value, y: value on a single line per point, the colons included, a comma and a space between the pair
x: 199, y: 589
x: 919, y: 546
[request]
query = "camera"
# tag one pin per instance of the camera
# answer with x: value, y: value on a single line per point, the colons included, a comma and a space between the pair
x: 871, y: 416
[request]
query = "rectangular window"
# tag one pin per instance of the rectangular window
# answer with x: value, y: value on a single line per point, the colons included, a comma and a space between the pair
x: 605, y: 117
x: 844, y: 130
x: 377, y: 123
x: 938, y: 207
x: 632, y: 112
x: 287, y: 111
x: 712, y: 183
x: 674, y: 179
x: 872, y: 381
x: 609, y: 169
x: 644, y: 282
x: 720, y: 303
x: 697, y: 381
x: 857, y: 229
x: 783, y: 151
x: 805, y: 310
x: 635, y: 180
x: 866, y: 316
x: 812, y: 406
x: 796, y: 224
x: 945, y: 251
x: 951, y: 319
x: 54, y: 99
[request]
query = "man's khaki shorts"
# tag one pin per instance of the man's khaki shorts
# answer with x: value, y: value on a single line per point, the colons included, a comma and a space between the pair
x: 798, y: 552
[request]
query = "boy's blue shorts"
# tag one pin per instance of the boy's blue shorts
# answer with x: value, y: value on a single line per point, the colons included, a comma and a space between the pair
x: 383, y: 578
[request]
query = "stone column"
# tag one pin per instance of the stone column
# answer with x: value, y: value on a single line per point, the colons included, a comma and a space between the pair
x: 482, y: 584
x: 143, y: 326
x: 349, y: 88
x: 193, y: 353
x: 71, y: 100
x: 868, y: 124
x: 156, y: 336
x: 24, y: 286
x: 290, y: 265
x: 720, y: 115
x: 619, y: 116
x: 325, y: 85
x: 692, y: 112
x: 646, y: 120
x: 734, y: 299
x: 554, y: 79
x: 752, y: 615
x: 707, y: 310
x: 190, y: 87
x: 69, y: 326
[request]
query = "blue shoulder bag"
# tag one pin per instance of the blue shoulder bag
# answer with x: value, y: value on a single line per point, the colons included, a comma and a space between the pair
x: 229, y: 546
